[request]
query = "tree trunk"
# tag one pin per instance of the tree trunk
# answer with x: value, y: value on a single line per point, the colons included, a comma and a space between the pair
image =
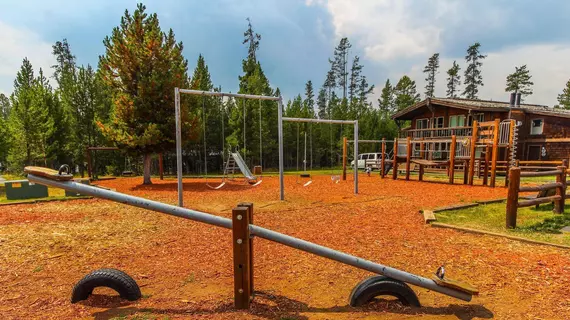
x: 146, y: 163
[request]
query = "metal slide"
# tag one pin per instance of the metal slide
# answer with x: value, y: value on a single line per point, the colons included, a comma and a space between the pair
x: 243, y: 167
x: 254, y: 230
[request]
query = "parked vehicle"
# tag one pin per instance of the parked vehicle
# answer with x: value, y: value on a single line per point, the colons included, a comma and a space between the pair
x: 369, y: 159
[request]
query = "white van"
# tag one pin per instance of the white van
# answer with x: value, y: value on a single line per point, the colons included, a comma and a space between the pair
x: 368, y: 159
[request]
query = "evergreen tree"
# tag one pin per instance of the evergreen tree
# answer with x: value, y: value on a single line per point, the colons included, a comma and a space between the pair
x: 142, y: 65
x: 519, y: 81
x: 431, y: 70
x: 339, y: 64
x: 453, y: 80
x: 355, y: 72
x: 386, y: 100
x: 473, y: 78
x: 322, y: 103
x: 405, y: 93
x: 309, y: 103
x: 564, y: 97
x: 4, y: 106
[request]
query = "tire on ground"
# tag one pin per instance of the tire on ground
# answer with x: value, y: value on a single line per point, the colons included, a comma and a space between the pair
x: 111, y: 278
x: 369, y: 288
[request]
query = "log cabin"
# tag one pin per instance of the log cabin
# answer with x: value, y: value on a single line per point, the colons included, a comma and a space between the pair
x: 543, y: 132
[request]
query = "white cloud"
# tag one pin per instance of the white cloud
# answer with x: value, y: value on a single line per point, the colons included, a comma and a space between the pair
x: 548, y: 65
x: 386, y: 29
x: 18, y: 43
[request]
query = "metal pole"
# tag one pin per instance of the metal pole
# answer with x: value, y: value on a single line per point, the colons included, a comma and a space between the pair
x: 305, y: 154
x: 226, y: 94
x: 310, y: 120
x: 254, y: 230
x: 356, y: 157
x: 178, y: 146
x: 280, y: 136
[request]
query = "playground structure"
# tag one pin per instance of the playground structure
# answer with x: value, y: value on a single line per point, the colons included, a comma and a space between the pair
x: 243, y: 230
x: 545, y: 190
x: 235, y: 157
x: 446, y: 149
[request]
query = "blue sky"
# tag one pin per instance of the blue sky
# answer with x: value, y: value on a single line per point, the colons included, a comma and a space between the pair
x: 393, y: 37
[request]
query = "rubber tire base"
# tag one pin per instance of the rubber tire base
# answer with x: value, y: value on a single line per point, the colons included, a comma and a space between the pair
x: 111, y: 278
x: 369, y: 288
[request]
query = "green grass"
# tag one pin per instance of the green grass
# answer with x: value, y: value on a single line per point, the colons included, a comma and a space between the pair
x: 536, y: 224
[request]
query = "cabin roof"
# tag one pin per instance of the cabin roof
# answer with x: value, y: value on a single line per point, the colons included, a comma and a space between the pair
x: 478, y: 105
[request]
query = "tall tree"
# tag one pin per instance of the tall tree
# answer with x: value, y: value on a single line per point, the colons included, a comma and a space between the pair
x: 453, y: 80
x: 309, y: 103
x: 4, y: 106
x: 564, y: 97
x: 519, y: 81
x: 339, y: 64
x: 322, y: 103
x: 252, y: 39
x: 473, y: 78
x: 142, y: 84
x: 431, y: 70
x: 405, y: 93
x: 355, y: 71
x: 386, y: 100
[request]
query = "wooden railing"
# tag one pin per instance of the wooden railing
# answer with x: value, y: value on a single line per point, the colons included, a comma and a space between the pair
x: 437, y: 133
x: 513, y: 202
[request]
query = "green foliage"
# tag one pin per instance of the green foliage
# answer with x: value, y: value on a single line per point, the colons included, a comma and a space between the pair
x: 453, y: 80
x: 551, y: 225
x: 473, y: 78
x: 339, y: 64
x: 519, y: 81
x: 431, y: 70
x: 564, y: 97
x: 405, y: 93
x: 142, y: 65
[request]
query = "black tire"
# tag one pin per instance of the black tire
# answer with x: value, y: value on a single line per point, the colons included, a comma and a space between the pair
x: 111, y: 278
x: 366, y: 290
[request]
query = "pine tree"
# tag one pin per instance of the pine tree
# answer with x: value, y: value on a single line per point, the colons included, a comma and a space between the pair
x: 519, y: 81
x: 453, y: 80
x: 431, y: 70
x: 473, y: 78
x: 322, y: 103
x: 4, y: 106
x: 309, y: 103
x: 564, y: 97
x: 386, y: 100
x: 142, y: 65
x: 405, y: 93
x: 339, y: 64
x: 355, y: 71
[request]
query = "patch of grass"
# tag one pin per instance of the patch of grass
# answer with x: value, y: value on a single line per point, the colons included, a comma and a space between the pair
x: 190, y: 279
x: 38, y: 269
x: 146, y: 295
x: 537, y: 224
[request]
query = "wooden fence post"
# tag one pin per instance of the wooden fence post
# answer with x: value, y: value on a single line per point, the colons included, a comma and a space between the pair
x: 242, y: 262
x: 395, y: 160
x: 495, y: 154
x: 344, y: 152
x: 408, y: 157
x: 513, y: 197
x: 452, y: 159
x: 383, y: 161
x: 473, y: 148
x: 561, y: 178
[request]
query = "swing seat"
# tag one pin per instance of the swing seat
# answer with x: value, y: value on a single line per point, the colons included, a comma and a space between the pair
x: 127, y: 173
x: 308, y: 183
x: 253, y: 183
x: 217, y: 187
x: 305, y: 175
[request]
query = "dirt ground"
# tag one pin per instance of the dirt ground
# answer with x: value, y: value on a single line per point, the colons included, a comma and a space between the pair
x: 184, y: 268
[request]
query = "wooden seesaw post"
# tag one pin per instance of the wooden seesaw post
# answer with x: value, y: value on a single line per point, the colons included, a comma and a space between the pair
x: 243, y: 255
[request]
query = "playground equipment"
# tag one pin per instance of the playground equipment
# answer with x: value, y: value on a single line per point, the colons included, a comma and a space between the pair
x: 245, y: 170
x: 223, y: 182
x: 305, y: 175
x: 115, y: 279
x: 243, y: 230
x: 236, y: 159
x: 282, y: 119
x: 441, y: 148
x: 24, y: 189
x: 513, y: 202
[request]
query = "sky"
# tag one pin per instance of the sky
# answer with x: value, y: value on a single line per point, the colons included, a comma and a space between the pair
x: 392, y: 37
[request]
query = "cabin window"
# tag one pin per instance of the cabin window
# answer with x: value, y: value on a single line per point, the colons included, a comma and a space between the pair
x: 536, y: 126
x: 438, y: 122
x: 422, y: 123
x: 480, y: 117
x: 456, y: 121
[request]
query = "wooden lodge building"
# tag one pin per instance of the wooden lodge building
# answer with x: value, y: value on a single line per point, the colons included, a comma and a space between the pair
x: 543, y: 132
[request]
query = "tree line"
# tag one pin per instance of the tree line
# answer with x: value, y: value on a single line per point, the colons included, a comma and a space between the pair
x: 127, y: 101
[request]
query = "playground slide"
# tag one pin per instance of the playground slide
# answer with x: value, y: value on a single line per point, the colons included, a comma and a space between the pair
x: 387, y: 168
x: 242, y: 166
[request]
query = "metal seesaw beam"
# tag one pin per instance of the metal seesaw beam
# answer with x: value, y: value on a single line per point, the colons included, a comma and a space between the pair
x: 254, y: 230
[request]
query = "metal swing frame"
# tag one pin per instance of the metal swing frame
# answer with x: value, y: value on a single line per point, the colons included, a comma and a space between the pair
x: 177, y: 92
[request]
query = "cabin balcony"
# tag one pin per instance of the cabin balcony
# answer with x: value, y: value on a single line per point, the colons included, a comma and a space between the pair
x: 436, y: 133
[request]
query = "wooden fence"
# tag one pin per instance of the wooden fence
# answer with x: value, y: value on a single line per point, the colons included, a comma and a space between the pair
x: 513, y: 202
